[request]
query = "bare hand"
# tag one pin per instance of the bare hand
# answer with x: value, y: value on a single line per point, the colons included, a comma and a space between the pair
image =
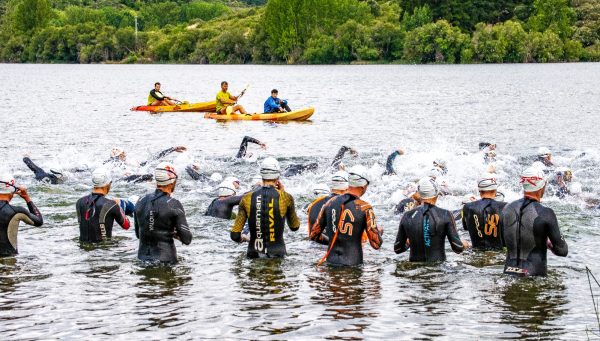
x: 180, y: 149
x: 263, y: 145
x: 466, y: 244
x: 279, y: 185
x: 245, y: 238
x: 22, y: 192
x: 353, y: 152
x: 401, y: 151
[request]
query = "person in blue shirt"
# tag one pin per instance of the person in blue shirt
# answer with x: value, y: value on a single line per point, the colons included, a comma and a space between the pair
x: 274, y: 104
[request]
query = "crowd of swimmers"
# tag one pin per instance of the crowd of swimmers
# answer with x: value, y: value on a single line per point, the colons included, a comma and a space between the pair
x: 338, y: 218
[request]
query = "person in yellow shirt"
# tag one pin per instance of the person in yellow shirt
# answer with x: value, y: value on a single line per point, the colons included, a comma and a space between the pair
x: 226, y: 103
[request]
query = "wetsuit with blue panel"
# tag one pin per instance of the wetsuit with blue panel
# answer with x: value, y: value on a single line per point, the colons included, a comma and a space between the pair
x: 96, y: 215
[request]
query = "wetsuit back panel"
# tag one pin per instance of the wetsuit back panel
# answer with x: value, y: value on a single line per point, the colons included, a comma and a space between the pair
x: 96, y: 215
x: 483, y: 220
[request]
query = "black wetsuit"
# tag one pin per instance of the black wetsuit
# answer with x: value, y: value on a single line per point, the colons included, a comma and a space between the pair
x: 313, y: 214
x: 426, y: 227
x: 545, y: 161
x: 297, y: 169
x: 158, y: 220
x: 345, y: 219
x: 266, y: 210
x: 196, y: 175
x: 483, y: 220
x: 527, y: 227
x: 10, y: 216
x: 42, y: 175
x: 389, y: 164
x: 96, y: 216
x: 405, y: 205
x: 560, y: 186
x: 244, y: 146
x: 157, y: 96
x: 223, y: 207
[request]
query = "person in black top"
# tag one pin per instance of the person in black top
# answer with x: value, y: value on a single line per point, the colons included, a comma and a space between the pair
x: 96, y: 214
x: 344, y: 219
x: 389, y: 164
x: 160, y: 219
x: 222, y: 207
x: 339, y: 185
x: 243, y: 151
x: 483, y: 218
x: 530, y: 229
x: 11, y: 216
x: 52, y: 177
x: 297, y: 169
x: 560, y: 180
x: 157, y: 98
x: 424, y: 228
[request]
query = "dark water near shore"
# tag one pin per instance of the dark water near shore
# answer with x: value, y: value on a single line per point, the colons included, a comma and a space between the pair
x: 67, y: 116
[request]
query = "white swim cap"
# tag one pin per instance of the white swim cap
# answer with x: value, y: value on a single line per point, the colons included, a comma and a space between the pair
x: 101, y: 178
x: 544, y: 151
x: 487, y: 182
x: 533, y: 179
x: 165, y: 174
x: 116, y: 152
x: 358, y: 176
x: 269, y: 169
x: 428, y: 188
x: 320, y: 189
x: 499, y: 196
x: 226, y: 189
x: 7, y: 184
x: 440, y: 162
x: 339, y: 181
x: 216, y: 177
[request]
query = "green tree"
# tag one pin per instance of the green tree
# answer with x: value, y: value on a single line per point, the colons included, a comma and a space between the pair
x: 417, y: 18
x: 504, y: 42
x: 437, y: 42
x: 544, y: 47
x: 555, y: 15
x: 29, y: 15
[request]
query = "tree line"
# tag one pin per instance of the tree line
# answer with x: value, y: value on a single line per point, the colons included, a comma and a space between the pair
x: 299, y: 31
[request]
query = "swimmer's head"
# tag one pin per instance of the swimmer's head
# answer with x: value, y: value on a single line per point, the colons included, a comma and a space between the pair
x: 270, y: 169
x: 101, y: 178
x: 119, y: 153
x: 499, y: 196
x: 216, y: 177
x: 7, y: 184
x: 319, y: 190
x: 226, y: 189
x: 566, y: 173
x: 533, y: 179
x: 234, y: 181
x: 339, y: 181
x: 428, y: 188
x: 487, y: 182
x: 165, y: 174
x: 441, y: 164
x: 358, y: 176
x: 544, y: 153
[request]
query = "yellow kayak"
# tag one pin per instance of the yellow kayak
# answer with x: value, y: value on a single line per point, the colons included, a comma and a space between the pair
x: 296, y: 115
x: 186, y: 107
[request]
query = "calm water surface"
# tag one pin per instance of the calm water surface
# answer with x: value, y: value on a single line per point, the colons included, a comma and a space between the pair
x: 68, y: 116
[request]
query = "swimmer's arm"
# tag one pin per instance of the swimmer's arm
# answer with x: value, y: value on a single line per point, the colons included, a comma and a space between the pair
x: 39, y: 172
x: 558, y: 245
x: 401, y: 243
x: 456, y: 243
x: 292, y: 217
x: 119, y: 216
x: 389, y: 164
x: 34, y: 214
x: 316, y: 233
x: 136, y: 225
x: 182, y: 230
x: 373, y: 231
x: 337, y: 159
x: 196, y: 175
x: 238, y: 226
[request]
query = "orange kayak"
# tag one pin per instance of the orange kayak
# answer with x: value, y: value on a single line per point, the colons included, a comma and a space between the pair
x: 185, y: 107
x: 296, y: 115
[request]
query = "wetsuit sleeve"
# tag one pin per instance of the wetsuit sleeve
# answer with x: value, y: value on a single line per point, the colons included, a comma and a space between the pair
x: 244, y: 145
x: 159, y: 155
x: 240, y: 220
x: 234, y: 200
x: 372, y: 232
x: 34, y: 214
x: 401, y: 238
x: 291, y: 216
x: 389, y: 164
x: 195, y: 175
x: 339, y: 156
x: 559, y: 245
x: 119, y: 216
x: 39, y: 172
x: 182, y: 229
x: 464, y: 218
x: 452, y: 234
x: 316, y: 233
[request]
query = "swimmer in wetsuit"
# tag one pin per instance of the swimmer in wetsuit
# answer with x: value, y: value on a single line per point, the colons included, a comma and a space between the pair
x: 411, y: 201
x: 96, y: 214
x: 389, y: 164
x: 483, y: 218
x: 344, y: 219
x: 297, y: 169
x: 560, y: 181
x: 530, y: 229
x: 11, y: 216
x: 242, y: 152
x: 160, y: 219
x: 424, y: 228
x: 266, y: 210
x: 118, y: 158
x: 544, y: 156
x: 53, y: 177
x: 339, y: 185
x: 222, y: 207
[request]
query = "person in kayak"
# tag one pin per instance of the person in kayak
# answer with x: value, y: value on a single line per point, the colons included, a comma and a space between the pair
x: 156, y: 98
x: 227, y: 103
x: 11, y: 216
x: 483, y: 218
x: 531, y: 229
x: 424, y: 228
x: 266, y: 210
x: 275, y: 105
x: 339, y: 185
x: 344, y: 219
x: 96, y: 214
x: 560, y: 180
x: 336, y: 164
x: 243, y: 151
x: 160, y: 219
x: 222, y: 207
x: 53, y: 177
x: 389, y: 164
